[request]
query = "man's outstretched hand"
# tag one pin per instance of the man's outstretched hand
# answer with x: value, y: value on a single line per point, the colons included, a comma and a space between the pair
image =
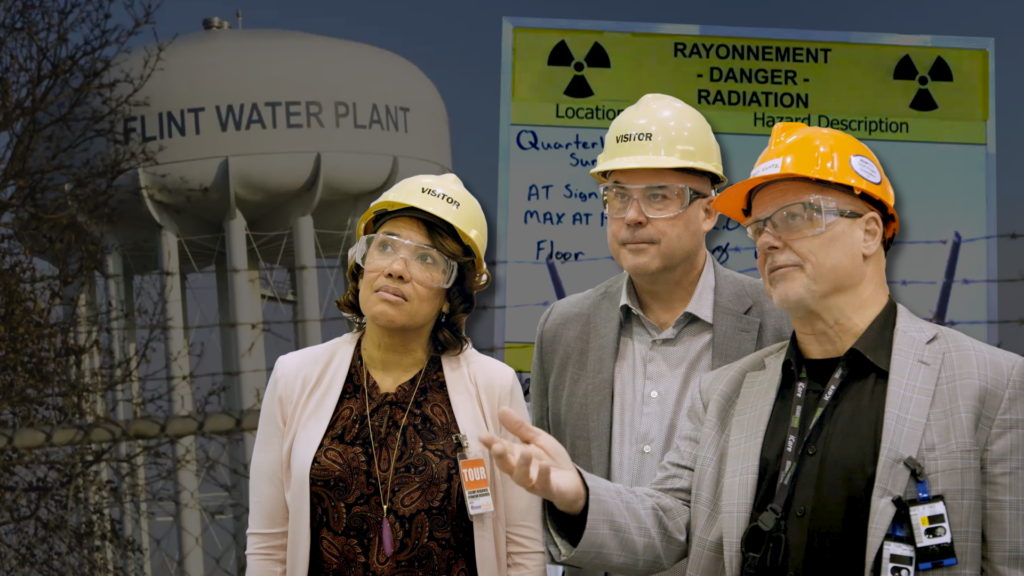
x: 540, y: 464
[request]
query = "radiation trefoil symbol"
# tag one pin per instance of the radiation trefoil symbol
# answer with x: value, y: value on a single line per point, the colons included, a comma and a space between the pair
x: 562, y: 56
x: 939, y: 72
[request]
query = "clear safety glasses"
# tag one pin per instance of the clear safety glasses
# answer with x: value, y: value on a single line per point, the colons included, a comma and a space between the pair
x: 427, y: 266
x: 799, y: 220
x: 656, y: 200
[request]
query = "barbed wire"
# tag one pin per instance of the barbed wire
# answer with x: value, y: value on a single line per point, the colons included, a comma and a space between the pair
x: 334, y: 267
x: 727, y: 247
x: 107, y: 430
x: 292, y: 321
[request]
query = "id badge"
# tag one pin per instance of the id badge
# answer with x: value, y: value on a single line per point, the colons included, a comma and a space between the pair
x: 932, y: 533
x: 476, y: 485
x: 897, y: 558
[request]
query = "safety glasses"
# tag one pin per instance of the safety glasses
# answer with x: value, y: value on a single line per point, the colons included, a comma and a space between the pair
x: 799, y: 220
x: 427, y: 266
x: 656, y: 200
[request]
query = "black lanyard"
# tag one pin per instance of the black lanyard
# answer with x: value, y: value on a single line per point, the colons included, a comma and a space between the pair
x: 755, y: 544
x: 794, y: 439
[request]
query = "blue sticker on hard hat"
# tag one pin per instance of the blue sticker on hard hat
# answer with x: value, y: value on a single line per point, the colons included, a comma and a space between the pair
x: 866, y: 169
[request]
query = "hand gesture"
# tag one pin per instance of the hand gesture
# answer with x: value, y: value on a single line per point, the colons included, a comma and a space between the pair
x: 540, y: 464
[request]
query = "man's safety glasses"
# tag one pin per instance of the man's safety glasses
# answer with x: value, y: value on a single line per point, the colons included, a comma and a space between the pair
x: 656, y: 200
x: 427, y: 266
x: 799, y: 220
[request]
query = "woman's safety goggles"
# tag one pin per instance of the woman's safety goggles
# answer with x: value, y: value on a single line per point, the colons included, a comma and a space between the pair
x: 656, y: 200
x: 799, y: 220
x: 427, y: 266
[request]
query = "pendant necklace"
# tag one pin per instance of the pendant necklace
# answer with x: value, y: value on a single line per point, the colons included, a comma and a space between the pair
x: 385, y: 528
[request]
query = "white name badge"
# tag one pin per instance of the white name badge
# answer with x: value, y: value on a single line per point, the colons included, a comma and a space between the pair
x: 933, y: 535
x: 931, y: 524
x: 897, y: 559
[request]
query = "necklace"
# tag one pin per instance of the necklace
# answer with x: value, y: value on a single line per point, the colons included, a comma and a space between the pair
x: 385, y: 527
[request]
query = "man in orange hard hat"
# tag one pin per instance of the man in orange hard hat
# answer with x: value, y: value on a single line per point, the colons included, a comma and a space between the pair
x: 612, y: 366
x: 872, y: 442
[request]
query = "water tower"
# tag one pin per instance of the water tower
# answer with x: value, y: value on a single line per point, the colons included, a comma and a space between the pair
x: 269, y: 144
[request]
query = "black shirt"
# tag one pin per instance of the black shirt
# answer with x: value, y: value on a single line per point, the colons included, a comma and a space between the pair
x: 826, y: 515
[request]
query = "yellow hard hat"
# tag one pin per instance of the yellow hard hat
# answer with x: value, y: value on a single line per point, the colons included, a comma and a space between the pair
x: 796, y: 150
x: 660, y: 131
x: 444, y: 197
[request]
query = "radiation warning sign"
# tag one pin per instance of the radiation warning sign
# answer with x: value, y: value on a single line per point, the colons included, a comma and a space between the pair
x: 745, y: 85
x: 923, y: 104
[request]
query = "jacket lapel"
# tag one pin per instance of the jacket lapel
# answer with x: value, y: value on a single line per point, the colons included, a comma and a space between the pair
x: 473, y: 418
x: 914, y: 372
x: 323, y: 399
x: 746, y: 435
x: 602, y: 330
x: 317, y: 408
x: 467, y: 405
x: 733, y: 333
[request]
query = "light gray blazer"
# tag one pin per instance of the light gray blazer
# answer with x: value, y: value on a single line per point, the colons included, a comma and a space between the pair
x: 572, y: 384
x: 954, y: 403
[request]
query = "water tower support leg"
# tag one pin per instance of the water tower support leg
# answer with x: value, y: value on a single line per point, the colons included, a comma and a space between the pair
x: 258, y: 350
x: 228, y: 348
x: 249, y: 354
x: 190, y: 519
x: 246, y: 320
x: 135, y: 409
x: 307, y: 294
x: 236, y: 445
x: 99, y: 505
x: 116, y: 307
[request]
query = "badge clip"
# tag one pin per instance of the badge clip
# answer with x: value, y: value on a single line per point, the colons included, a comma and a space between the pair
x: 929, y: 523
x: 462, y: 441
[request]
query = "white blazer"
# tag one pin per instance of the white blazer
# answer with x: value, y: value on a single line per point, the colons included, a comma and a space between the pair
x: 301, y: 397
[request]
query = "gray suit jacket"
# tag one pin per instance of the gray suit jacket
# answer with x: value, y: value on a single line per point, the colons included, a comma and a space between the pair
x: 954, y: 403
x: 577, y: 343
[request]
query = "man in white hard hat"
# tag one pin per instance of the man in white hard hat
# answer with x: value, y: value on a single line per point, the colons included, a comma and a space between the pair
x: 612, y: 366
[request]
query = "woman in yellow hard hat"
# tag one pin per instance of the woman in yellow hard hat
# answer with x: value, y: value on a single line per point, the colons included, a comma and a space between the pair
x: 367, y: 460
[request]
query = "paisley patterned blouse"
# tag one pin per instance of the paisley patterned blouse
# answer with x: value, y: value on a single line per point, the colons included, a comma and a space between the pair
x: 427, y: 513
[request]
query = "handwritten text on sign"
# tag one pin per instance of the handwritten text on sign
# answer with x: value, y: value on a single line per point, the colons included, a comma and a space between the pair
x: 553, y: 205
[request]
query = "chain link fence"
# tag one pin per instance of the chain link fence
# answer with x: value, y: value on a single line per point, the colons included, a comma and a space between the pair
x: 142, y: 468
x: 157, y: 496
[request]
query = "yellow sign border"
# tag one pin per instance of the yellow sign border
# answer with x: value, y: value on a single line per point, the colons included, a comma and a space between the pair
x: 541, y: 104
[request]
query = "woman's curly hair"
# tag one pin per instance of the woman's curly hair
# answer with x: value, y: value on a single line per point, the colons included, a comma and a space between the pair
x: 448, y: 336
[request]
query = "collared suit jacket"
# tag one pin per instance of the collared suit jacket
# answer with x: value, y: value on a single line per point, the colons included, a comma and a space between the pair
x: 954, y: 403
x: 572, y: 383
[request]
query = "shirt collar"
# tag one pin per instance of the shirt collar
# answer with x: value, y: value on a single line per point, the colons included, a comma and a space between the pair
x: 875, y: 343
x: 702, y: 303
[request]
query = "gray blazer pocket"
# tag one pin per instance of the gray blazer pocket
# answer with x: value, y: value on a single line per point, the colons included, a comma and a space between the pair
x: 951, y: 473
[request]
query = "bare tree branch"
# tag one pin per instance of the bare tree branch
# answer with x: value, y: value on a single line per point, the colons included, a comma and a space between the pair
x: 64, y: 91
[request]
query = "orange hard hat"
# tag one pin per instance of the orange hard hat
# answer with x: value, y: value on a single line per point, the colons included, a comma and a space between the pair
x: 796, y: 150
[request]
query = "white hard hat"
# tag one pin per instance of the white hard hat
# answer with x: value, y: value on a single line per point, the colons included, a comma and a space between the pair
x: 660, y: 131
